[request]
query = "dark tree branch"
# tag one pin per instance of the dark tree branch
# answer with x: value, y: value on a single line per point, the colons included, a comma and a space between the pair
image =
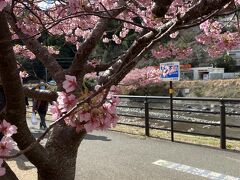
x: 40, y: 52
x: 203, y: 8
x: 161, y: 7
x: 89, y: 44
x: 40, y: 95
x: 98, y: 68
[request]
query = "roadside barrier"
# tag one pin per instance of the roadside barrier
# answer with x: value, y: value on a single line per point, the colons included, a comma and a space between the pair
x: 222, y: 108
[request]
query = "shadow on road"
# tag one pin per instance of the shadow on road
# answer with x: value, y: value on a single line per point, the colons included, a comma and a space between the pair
x: 22, y: 162
x: 37, y: 134
x: 93, y: 137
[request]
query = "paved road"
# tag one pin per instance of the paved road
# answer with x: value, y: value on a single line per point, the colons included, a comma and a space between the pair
x: 112, y: 155
x: 117, y: 156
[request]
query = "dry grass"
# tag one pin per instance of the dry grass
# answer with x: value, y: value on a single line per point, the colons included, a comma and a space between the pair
x: 211, y: 88
x: 207, y: 141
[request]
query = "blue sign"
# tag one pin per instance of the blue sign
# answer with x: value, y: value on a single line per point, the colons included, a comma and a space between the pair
x: 170, y: 71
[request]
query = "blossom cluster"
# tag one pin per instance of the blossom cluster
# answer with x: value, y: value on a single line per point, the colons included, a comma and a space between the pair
x: 178, y: 7
x: 3, y: 4
x: 143, y: 76
x: 115, y: 38
x: 171, y: 50
x: 79, y: 27
x: 94, y: 62
x: 237, y: 2
x: 94, y: 115
x: 6, y: 143
x: 23, y: 51
x: 216, y: 41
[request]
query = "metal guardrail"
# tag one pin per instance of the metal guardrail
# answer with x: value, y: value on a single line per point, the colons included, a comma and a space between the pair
x: 146, y: 100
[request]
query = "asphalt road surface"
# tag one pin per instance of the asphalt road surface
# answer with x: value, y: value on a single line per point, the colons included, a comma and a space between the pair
x: 116, y: 156
x: 109, y: 155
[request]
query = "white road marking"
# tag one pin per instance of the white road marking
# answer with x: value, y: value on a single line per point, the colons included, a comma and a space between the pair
x: 195, y: 171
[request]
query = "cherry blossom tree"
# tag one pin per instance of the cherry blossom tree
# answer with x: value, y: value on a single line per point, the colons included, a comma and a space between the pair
x: 77, y: 108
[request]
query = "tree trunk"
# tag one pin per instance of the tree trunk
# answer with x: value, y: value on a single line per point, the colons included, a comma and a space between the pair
x: 15, y: 103
x: 62, y: 147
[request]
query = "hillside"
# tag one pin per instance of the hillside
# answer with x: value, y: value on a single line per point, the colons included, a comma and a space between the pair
x: 210, y: 88
x: 198, y: 88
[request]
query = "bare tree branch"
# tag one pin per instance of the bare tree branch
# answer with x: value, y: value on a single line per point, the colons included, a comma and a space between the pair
x: 89, y: 44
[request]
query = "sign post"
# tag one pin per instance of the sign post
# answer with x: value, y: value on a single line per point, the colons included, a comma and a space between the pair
x: 170, y: 72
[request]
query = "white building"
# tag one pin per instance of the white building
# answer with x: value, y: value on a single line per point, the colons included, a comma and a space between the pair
x: 205, y: 73
x: 235, y: 54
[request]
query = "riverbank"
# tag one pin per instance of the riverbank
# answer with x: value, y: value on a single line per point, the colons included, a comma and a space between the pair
x: 210, y: 88
x: 229, y: 88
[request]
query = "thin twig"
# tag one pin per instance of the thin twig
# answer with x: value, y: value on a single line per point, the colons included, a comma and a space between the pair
x: 105, y: 9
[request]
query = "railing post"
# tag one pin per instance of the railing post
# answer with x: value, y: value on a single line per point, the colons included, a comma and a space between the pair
x: 146, y: 116
x: 171, y: 111
x: 222, y: 126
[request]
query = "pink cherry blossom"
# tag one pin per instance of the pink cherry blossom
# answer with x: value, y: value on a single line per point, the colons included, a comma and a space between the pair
x: 54, y: 109
x: 93, y: 62
x: 23, y: 74
x: 106, y: 40
x: 115, y: 100
x: 7, y: 129
x: 92, y: 125
x: 96, y: 88
x: 237, y: 2
x: 66, y: 101
x: 114, y: 89
x: 123, y: 33
x: 23, y: 51
x: 171, y: 50
x: 78, y: 32
x: 110, y: 108
x: 52, y: 50
x: 3, y: 4
x: 73, y: 122
x: 215, y: 41
x: 70, y: 83
x: 143, y: 76
x: 110, y: 120
x: 84, y: 116
x: 74, y: 5
x: 6, y: 145
x: 174, y: 35
x: 116, y: 39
